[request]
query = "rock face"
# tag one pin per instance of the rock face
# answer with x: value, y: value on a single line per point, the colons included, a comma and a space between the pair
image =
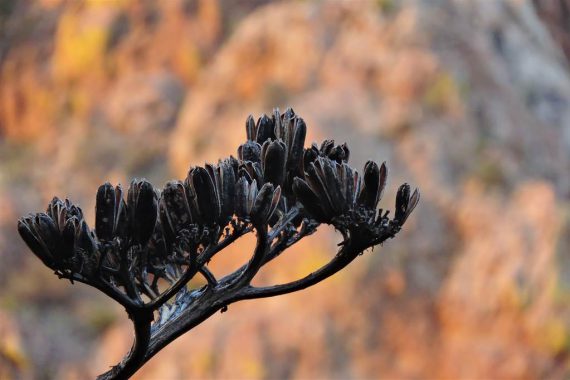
x: 468, y: 100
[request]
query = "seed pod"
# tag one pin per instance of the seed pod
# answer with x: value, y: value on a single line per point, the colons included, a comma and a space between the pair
x: 274, y: 202
x: 250, y: 128
x: 277, y: 126
x: 57, y: 211
x: 253, y: 170
x: 326, y: 147
x: 310, y: 155
x: 265, y: 129
x: 208, y: 203
x: 310, y: 201
x: 315, y: 181
x: 227, y: 189
x: 250, y: 151
x: 287, y: 127
x: 68, y: 236
x: 34, y: 241
x: 105, y: 212
x: 346, y: 178
x: 273, y: 163
x: 346, y: 152
x: 297, y: 144
x: 217, y: 181
x: 369, y: 193
x: 242, y: 190
x: 142, y: 206
x: 405, y: 204
x: 251, y: 196
x: 333, y: 185
x: 49, y: 234
x: 85, y: 239
x: 262, y: 204
x: 336, y: 154
x: 382, y: 180
x: 234, y: 163
x: 175, y: 211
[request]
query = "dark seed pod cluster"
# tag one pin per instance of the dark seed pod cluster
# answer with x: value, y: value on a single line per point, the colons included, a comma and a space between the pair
x: 273, y: 175
x: 60, y: 237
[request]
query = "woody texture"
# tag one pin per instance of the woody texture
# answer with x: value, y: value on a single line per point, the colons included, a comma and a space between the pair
x: 148, y: 244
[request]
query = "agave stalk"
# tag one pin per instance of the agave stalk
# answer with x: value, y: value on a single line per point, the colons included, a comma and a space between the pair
x: 147, y: 246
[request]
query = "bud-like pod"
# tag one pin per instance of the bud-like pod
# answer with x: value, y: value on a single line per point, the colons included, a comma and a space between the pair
x: 68, y: 237
x: 49, y: 234
x: 34, y: 241
x: 297, y: 144
x: 310, y: 201
x: 105, y: 212
x: 251, y: 196
x: 207, y: 199
x: 273, y: 163
x: 85, y: 239
x: 264, y: 130
x: 347, y: 180
x: 250, y: 128
x: 310, y: 155
x: 382, y: 181
x: 142, y: 206
x: 405, y: 204
x: 333, y: 185
x: 175, y: 213
x: 227, y: 189
x: 314, y: 178
x: 284, y: 125
x: 277, y: 126
x: 260, y: 211
x: 57, y: 211
x: 252, y: 170
x: 250, y: 151
x: 326, y: 147
x: 242, y: 190
x: 369, y: 192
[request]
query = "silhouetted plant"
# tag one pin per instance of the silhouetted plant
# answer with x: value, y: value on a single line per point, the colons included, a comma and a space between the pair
x: 145, y: 249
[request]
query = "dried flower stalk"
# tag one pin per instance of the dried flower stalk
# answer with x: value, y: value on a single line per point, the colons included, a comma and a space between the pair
x: 146, y: 247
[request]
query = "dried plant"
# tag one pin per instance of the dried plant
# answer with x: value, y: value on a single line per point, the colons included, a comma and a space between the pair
x: 146, y: 248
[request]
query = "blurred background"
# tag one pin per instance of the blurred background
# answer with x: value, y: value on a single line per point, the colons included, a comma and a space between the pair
x: 467, y: 100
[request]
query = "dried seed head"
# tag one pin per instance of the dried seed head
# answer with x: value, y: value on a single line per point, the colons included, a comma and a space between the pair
x: 227, y: 190
x: 297, y: 144
x: 242, y: 190
x: 250, y: 151
x: 264, y: 129
x: 207, y: 199
x: 29, y: 233
x: 369, y: 192
x: 264, y: 203
x: 105, y: 212
x: 142, y: 205
x: 274, y: 161
x: 250, y: 128
x: 310, y: 201
x: 405, y: 204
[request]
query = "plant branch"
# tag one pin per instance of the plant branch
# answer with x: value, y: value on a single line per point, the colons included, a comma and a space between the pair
x: 256, y: 261
x: 136, y: 357
x: 192, y: 269
x: 344, y: 257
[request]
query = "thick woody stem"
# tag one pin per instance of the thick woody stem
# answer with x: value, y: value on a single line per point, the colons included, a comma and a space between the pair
x: 135, y: 359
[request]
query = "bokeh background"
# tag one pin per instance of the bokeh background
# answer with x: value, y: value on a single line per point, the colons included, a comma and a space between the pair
x: 468, y: 100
